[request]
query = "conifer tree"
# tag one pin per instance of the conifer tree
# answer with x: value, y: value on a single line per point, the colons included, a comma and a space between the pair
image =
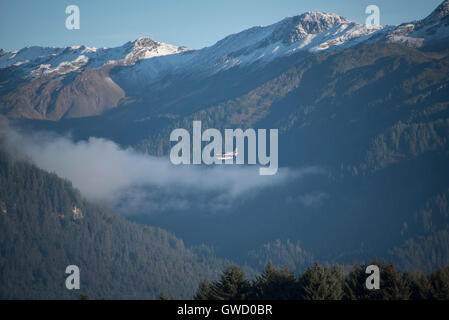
x: 232, y: 285
x: 275, y: 284
x: 393, y: 285
x: 204, y: 291
x: 321, y: 283
x: 419, y: 285
x: 354, y: 286
x: 439, y: 284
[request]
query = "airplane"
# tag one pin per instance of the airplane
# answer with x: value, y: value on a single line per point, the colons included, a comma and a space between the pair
x: 227, y: 155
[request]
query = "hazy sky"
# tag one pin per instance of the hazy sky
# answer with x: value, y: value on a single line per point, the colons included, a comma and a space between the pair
x: 194, y: 23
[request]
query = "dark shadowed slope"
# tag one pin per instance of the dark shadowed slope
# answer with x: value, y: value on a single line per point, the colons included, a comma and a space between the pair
x: 45, y: 225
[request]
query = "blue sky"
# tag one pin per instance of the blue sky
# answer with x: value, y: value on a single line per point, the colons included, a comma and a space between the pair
x: 194, y: 23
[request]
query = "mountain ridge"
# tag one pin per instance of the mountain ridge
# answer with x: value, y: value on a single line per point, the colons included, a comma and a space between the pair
x: 143, y: 63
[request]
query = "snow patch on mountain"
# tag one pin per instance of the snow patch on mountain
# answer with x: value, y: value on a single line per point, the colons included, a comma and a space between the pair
x: 310, y: 32
x: 415, y: 34
x: 39, y: 61
x: 147, y: 60
x: 25, y: 55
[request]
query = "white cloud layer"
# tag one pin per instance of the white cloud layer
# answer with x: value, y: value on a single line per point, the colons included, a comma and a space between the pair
x: 106, y: 173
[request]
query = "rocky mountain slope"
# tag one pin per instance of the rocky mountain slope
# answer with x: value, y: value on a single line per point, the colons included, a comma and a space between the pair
x: 57, y: 83
x: 27, y: 73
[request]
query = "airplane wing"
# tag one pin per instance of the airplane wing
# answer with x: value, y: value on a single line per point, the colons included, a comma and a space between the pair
x: 228, y: 153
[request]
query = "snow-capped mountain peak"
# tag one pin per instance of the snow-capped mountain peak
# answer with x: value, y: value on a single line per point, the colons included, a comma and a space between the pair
x: 37, y: 60
x: 145, y: 48
x: 308, y: 32
x: 435, y: 27
x: 112, y: 73
x: 285, y: 32
x: 295, y: 28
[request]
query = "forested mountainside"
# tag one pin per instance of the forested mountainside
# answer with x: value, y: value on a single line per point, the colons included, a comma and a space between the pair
x: 371, y: 115
x: 46, y: 225
x: 377, y: 118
